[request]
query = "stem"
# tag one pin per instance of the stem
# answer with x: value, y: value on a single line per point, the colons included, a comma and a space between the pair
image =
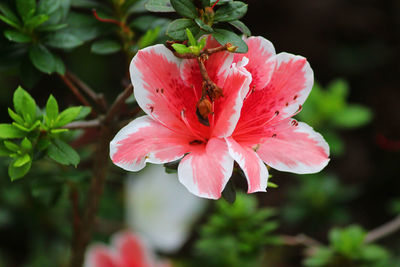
x: 383, y: 230
x: 300, y: 239
x: 83, y: 124
x: 216, y: 2
x: 119, y: 101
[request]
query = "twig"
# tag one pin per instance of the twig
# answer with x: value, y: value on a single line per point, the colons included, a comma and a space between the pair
x: 83, y: 124
x: 76, y: 92
x: 383, y: 230
x: 117, y: 103
x: 97, y: 98
x: 205, y: 52
x: 300, y: 239
x: 76, y: 217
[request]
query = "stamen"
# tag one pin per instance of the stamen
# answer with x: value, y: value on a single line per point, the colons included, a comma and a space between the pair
x: 297, y: 112
x: 159, y: 121
x: 190, y: 127
x: 250, y: 129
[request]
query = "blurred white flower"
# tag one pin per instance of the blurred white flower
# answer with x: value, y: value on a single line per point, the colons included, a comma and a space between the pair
x: 160, y: 208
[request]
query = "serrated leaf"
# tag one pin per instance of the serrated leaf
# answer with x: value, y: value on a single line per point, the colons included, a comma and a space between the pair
x: 67, y: 116
x: 224, y: 36
x: 42, y: 58
x: 18, y: 172
x: 241, y: 27
x: 16, y: 36
x: 105, y: 47
x: 24, y: 105
x: 203, y: 26
x: 177, y: 29
x: 8, y: 131
x: 51, y: 109
x: 63, y: 153
x: 22, y: 160
x: 159, y: 6
x: 26, y: 8
x: 231, y: 11
x: 63, y: 40
x: 186, y: 8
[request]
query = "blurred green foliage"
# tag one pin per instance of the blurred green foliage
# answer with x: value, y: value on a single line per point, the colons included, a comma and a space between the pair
x: 235, y: 234
x: 347, y: 248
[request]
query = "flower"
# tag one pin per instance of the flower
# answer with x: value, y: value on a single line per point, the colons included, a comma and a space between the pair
x: 165, y: 216
x: 251, y: 123
x: 127, y: 250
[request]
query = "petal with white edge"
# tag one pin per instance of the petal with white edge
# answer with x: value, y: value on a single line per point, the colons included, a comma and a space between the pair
x: 294, y: 147
x: 253, y: 167
x: 145, y: 140
x: 206, y: 170
x: 261, y: 55
x: 100, y: 256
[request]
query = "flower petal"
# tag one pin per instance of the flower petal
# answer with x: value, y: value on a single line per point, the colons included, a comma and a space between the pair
x: 227, y: 108
x: 292, y: 148
x: 207, y: 169
x: 261, y: 61
x: 131, y: 250
x: 158, y: 88
x: 100, y: 256
x: 255, y: 170
x: 217, y: 65
x: 145, y: 140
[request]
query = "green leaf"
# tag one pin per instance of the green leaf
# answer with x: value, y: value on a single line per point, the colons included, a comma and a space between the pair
x: 11, y: 146
x: 22, y: 160
x: 177, y: 29
x: 181, y: 49
x: 352, y: 116
x: 186, y: 8
x: 8, y: 131
x: 42, y: 58
x: 145, y: 23
x: 15, y: 116
x: 67, y: 116
x: 48, y: 6
x: 26, y: 8
x: 159, y: 6
x: 137, y: 7
x: 192, y: 40
x: 205, y: 3
x: 4, y: 151
x: 229, y: 192
x: 63, y: 153
x: 63, y: 40
x: 105, y: 47
x: 59, y: 65
x: 18, y: 172
x: 25, y: 105
x: 231, y: 11
x: 224, y: 36
x: 26, y: 145
x: 149, y: 38
x: 83, y: 113
x: 51, y: 109
x: 241, y: 27
x: 272, y: 185
x: 10, y: 22
x: 220, y: 3
x: 203, y: 26
x: 36, y: 21
x: 52, y: 27
x: 16, y: 36
x: 9, y: 14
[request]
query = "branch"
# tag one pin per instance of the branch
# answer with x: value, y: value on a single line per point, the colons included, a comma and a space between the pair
x: 383, y: 230
x: 97, y: 98
x: 119, y: 101
x: 300, y: 239
x: 76, y: 92
x: 83, y: 124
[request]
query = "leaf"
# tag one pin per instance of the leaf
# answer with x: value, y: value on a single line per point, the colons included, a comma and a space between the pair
x: 159, y: 6
x: 203, y: 26
x: 241, y: 27
x: 177, y: 29
x: 224, y: 36
x: 67, y: 116
x: 26, y: 145
x: 22, y: 160
x: 42, y: 58
x: 272, y: 185
x: 17, y: 118
x: 205, y: 3
x: 63, y: 153
x: 25, y: 105
x: 229, y: 192
x: 59, y: 65
x: 48, y: 6
x: 83, y: 113
x: 63, y: 40
x: 51, y: 109
x: 26, y: 8
x: 138, y: 7
x: 8, y: 131
x: 192, y: 40
x: 4, y: 151
x: 220, y: 3
x: 11, y: 146
x: 10, y: 22
x: 149, y: 38
x: 16, y: 36
x: 18, y: 172
x: 9, y: 15
x: 52, y: 27
x: 36, y: 21
x: 352, y: 116
x: 231, y: 11
x: 186, y: 8
x: 105, y: 47
x: 181, y: 48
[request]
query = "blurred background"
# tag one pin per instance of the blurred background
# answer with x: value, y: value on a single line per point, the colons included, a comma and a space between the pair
x: 353, y: 47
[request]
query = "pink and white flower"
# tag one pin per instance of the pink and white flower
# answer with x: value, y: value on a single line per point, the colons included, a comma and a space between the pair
x: 251, y: 124
x: 127, y: 250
